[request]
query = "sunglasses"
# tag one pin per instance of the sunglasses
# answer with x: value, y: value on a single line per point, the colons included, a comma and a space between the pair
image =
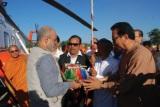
x: 12, y: 51
x: 73, y: 44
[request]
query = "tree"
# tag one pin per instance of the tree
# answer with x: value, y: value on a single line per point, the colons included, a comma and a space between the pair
x: 154, y: 36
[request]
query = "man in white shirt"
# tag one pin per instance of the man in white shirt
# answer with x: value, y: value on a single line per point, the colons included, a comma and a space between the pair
x: 105, y: 65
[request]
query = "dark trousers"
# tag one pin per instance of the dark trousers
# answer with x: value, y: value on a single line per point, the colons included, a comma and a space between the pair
x: 147, y: 96
x: 74, y: 98
x: 130, y: 100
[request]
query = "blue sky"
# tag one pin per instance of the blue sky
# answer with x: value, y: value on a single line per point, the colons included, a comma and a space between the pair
x: 142, y: 14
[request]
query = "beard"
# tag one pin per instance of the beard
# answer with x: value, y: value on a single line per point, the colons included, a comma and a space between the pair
x: 51, y: 47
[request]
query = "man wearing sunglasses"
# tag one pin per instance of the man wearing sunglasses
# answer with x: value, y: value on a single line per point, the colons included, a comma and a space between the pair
x: 74, y: 56
x: 15, y: 71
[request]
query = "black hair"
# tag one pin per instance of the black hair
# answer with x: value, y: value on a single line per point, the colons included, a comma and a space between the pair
x: 147, y: 43
x: 124, y: 28
x: 107, y: 43
x: 75, y: 36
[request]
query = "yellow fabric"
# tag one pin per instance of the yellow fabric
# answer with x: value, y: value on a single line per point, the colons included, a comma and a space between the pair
x: 15, y: 71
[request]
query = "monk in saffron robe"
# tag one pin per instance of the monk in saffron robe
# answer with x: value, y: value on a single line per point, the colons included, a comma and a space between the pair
x: 15, y: 71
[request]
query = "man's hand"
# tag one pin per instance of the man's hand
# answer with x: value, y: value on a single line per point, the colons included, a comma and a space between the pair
x: 92, y: 84
x: 93, y: 72
x: 75, y: 85
x: 92, y: 59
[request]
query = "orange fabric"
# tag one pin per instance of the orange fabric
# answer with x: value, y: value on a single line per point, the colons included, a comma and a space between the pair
x: 15, y: 71
x: 4, y: 56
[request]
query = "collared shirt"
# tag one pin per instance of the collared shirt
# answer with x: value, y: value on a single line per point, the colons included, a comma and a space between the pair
x: 73, y: 59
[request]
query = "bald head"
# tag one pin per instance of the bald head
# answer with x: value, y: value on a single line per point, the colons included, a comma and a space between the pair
x: 46, y: 38
x: 14, y: 51
x: 44, y: 31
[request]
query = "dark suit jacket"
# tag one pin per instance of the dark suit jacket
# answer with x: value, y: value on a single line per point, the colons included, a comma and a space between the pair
x: 82, y: 60
x: 74, y: 98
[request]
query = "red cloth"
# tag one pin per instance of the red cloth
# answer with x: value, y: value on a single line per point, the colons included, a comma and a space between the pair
x: 4, y: 56
x: 1, y: 74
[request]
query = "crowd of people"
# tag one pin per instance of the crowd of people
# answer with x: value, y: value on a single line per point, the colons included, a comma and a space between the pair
x: 123, y: 72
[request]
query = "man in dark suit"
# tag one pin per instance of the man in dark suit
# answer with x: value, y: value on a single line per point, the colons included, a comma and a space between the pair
x: 74, y: 56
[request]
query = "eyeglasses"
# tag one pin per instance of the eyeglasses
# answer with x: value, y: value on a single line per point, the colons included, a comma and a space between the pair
x: 74, y: 44
x: 12, y: 51
x: 95, y: 42
x: 114, y: 39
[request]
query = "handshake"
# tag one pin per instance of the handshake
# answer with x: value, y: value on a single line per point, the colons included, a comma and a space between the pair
x: 91, y: 84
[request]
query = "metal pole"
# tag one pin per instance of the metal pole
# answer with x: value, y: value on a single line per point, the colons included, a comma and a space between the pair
x: 92, y: 24
x: 21, y: 42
